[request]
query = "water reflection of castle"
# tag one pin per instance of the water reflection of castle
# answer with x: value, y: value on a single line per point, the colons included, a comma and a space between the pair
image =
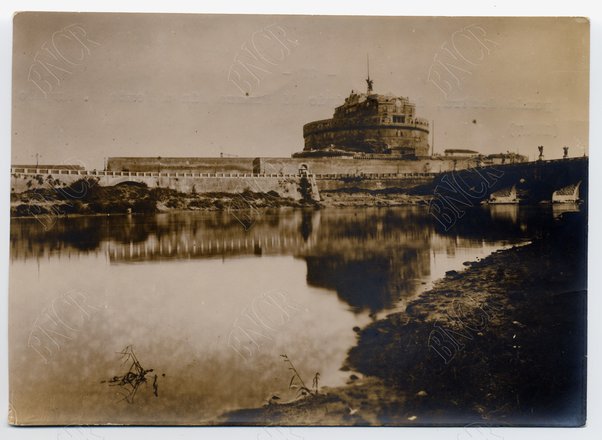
x: 337, y: 246
x: 370, y: 257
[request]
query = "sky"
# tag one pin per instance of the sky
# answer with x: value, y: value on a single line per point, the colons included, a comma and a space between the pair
x: 90, y: 86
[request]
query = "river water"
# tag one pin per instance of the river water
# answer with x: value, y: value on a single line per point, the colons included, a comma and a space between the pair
x: 210, y: 304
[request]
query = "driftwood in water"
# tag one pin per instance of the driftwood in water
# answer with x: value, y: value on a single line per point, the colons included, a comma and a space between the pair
x: 133, y: 378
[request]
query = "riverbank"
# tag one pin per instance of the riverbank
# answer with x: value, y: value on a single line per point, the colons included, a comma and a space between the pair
x: 500, y: 343
x: 85, y: 197
x: 359, y: 198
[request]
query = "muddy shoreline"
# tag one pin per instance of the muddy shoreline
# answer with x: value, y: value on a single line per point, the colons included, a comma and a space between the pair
x: 502, y: 343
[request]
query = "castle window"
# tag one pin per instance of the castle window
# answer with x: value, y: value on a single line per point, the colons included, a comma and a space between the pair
x: 399, y: 119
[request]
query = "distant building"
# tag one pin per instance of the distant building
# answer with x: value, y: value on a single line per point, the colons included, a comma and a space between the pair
x: 503, y: 158
x: 460, y: 153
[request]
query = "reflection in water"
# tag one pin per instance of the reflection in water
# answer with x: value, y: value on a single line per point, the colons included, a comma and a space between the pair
x: 505, y: 212
x: 175, y: 285
x: 372, y: 283
x: 370, y: 257
x: 560, y: 208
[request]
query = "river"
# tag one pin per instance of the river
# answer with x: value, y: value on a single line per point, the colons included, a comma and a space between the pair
x: 209, y: 303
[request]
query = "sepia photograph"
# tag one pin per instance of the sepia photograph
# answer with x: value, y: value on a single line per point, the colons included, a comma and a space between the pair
x: 298, y: 220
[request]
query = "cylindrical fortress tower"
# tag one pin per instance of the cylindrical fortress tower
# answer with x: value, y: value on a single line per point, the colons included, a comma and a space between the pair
x: 370, y: 123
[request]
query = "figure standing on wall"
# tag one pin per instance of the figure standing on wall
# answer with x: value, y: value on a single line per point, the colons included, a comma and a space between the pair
x: 566, y: 152
x: 540, y: 148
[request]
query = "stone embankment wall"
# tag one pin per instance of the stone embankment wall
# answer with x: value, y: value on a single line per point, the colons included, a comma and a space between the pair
x: 23, y: 179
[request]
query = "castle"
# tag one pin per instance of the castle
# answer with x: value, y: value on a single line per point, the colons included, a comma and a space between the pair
x: 369, y: 134
x: 369, y: 123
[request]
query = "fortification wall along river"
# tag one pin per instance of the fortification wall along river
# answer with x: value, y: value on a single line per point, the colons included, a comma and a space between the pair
x: 23, y: 179
x: 288, y: 165
x: 285, y: 185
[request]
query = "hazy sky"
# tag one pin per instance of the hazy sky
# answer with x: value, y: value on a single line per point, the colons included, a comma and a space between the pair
x: 89, y: 86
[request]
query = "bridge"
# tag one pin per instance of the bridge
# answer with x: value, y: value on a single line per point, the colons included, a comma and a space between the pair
x: 535, y: 182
